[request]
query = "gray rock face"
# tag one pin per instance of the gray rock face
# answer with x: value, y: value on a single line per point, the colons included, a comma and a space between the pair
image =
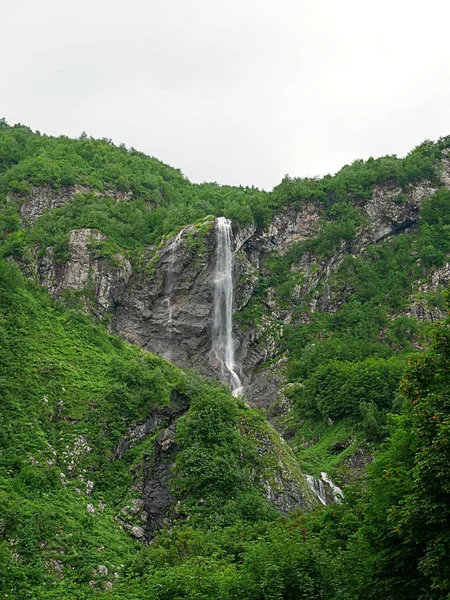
x: 99, y: 276
x: 390, y: 211
x: 287, y: 496
x: 167, y: 414
x: 158, y: 499
x: 166, y: 307
x: 420, y: 308
x: 43, y: 199
x: 145, y: 514
x: 278, y: 475
x: 445, y: 172
x: 290, y: 225
x: 293, y: 225
x: 355, y: 466
x: 137, y: 532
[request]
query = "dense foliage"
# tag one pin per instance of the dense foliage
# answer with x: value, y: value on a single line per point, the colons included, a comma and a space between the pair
x: 69, y: 393
x: 159, y: 198
x: 346, y: 361
x: 356, y: 374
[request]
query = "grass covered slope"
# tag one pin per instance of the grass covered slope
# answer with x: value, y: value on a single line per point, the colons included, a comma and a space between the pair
x: 57, y: 370
x: 69, y: 395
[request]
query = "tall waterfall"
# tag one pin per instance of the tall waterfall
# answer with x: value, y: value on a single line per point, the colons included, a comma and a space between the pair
x: 222, y: 331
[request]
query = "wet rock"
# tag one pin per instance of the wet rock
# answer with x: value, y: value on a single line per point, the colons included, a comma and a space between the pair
x: 324, y: 488
x: 167, y: 414
x: 167, y: 308
x: 157, y: 497
x: 420, y: 307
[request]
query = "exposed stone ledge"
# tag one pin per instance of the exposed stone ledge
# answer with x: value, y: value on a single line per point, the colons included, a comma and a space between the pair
x: 106, y: 280
x: 43, y: 199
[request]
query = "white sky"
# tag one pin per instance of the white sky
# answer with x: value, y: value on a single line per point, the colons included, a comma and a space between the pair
x: 237, y: 92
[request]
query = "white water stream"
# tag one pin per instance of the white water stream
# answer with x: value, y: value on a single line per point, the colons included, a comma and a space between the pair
x: 318, y: 487
x: 169, y: 287
x: 222, y: 329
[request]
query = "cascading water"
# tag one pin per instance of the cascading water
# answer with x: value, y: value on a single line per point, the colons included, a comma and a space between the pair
x: 222, y: 330
x: 169, y: 288
x: 338, y: 494
x: 318, y: 487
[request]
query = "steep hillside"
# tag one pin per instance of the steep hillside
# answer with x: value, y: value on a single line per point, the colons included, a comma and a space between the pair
x: 91, y: 431
x: 334, y: 278
x: 124, y: 472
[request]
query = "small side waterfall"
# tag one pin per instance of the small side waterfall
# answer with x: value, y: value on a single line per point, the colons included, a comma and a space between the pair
x: 318, y: 486
x: 338, y: 494
x: 169, y: 288
x: 222, y: 330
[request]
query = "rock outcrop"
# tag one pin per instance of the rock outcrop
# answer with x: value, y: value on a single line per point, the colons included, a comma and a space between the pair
x: 167, y: 414
x: 166, y: 305
x: 42, y: 199
x: 157, y: 496
x: 420, y: 307
x: 390, y: 210
x: 102, y: 279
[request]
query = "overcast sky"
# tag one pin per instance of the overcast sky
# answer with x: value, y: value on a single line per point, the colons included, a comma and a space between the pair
x: 235, y: 91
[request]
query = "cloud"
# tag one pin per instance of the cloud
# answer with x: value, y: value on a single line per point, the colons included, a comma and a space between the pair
x: 238, y: 92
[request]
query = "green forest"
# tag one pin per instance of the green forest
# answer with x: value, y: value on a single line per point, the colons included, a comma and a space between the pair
x: 70, y: 392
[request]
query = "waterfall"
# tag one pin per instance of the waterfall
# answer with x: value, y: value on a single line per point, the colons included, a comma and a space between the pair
x: 318, y: 487
x: 169, y: 289
x: 222, y: 330
x: 335, y: 490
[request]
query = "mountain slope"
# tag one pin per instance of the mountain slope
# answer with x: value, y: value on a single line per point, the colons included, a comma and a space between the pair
x: 123, y: 473
x: 83, y: 414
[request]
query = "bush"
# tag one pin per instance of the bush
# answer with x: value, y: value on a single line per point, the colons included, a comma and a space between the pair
x: 338, y: 389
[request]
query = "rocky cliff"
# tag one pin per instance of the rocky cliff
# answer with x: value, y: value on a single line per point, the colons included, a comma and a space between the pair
x: 161, y: 298
x: 165, y: 304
